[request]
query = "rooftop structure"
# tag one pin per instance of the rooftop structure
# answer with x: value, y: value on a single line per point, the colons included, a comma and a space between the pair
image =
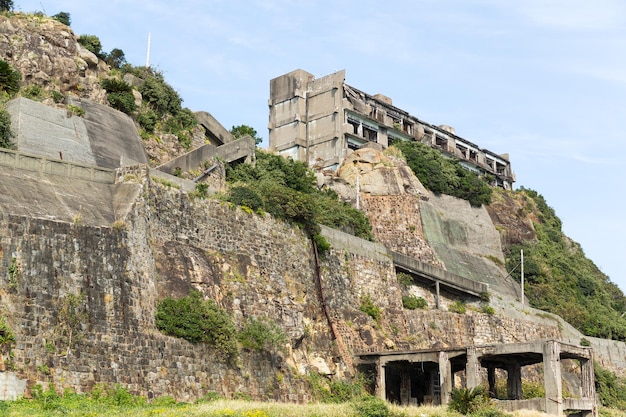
x: 320, y: 121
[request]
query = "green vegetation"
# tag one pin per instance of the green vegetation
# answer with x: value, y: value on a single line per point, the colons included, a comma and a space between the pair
x: 119, y: 95
x: 261, y: 334
x: 411, y: 302
x: 9, y: 86
x: 7, y: 338
x: 458, y: 307
x: 92, y: 44
x: 287, y: 190
x: 161, y: 106
x: 444, y: 176
x: 71, y: 317
x: 197, y: 321
x: 243, y: 130
x: 6, y: 5
x: 106, y: 401
x: 9, y: 79
x: 63, y: 17
x: 328, y: 390
x: 611, y: 389
x: 368, y: 307
x: 6, y: 133
x: 561, y: 280
x: 75, y: 110
x: 404, y: 279
x: 467, y: 401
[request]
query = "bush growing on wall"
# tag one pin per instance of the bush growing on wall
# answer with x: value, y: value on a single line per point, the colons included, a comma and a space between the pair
x: 119, y: 95
x: 197, y: 321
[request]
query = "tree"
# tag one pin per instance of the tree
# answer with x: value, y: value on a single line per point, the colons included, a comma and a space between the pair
x: 116, y: 58
x: 9, y: 79
x: 63, y: 17
x: 6, y: 5
x: 243, y: 130
x: 91, y: 43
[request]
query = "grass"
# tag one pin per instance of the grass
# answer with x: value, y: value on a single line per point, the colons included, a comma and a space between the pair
x: 76, y: 405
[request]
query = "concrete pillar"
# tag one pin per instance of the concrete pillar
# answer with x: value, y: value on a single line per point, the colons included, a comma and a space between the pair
x: 437, y: 303
x: 588, y: 389
x: 445, y: 377
x: 472, y: 368
x: 380, y: 388
x: 514, y: 381
x: 491, y: 380
x: 405, y: 387
x: 552, y: 377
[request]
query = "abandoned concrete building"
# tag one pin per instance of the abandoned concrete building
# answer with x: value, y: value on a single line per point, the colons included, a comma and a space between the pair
x: 320, y: 121
x: 428, y: 376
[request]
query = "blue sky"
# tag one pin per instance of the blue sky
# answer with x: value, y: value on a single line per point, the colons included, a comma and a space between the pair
x: 542, y: 80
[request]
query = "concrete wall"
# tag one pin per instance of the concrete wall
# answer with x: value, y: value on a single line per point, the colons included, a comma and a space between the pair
x: 101, y: 137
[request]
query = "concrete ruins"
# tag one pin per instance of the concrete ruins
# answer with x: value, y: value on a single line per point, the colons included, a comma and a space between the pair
x: 428, y: 376
x: 320, y: 121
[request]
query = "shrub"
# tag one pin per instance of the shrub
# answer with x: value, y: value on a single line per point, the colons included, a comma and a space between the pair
x: 147, y: 119
x: 6, y: 133
x: 119, y: 95
x: 467, y: 401
x: 404, y: 278
x: 322, y: 244
x: 442, y: 175
x: 159, y: 95
x: 92, y: 44
x: 487, y: 309
x: 458, y: 307
x: 245, y: 196
x: 32, y: 92
x: 7, y: 338
x: 368, y: 307
x: 9, y: 79
x: 411, y: 302
x: 63, y: 17
x: 197, y: 321
x: 585, y: 342
x: 261, y: 334
x: 371, y: 407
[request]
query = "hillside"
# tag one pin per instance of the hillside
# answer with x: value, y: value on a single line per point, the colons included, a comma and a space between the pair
x: 101, y: 261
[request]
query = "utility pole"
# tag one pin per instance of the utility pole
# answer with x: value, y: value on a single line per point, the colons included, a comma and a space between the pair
x: 148, y: 53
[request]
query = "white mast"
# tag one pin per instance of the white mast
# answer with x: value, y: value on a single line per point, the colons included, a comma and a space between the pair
x: 148, y: 53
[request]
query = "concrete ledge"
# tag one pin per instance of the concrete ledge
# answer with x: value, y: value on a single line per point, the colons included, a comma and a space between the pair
x: 344, y: 241
x: 436, y: 274
x: 50, y: 166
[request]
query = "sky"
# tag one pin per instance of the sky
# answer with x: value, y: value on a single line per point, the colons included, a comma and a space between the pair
x: 541, y: 80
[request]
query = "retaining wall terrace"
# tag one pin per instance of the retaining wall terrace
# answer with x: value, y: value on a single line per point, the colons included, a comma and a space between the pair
x: 253, y: 266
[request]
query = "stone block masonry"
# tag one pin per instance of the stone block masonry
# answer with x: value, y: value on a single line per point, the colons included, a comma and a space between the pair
x: 251, y: 265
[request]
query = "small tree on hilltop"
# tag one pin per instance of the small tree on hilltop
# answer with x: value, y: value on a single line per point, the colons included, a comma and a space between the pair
x: 6, y: 5
x: 63, y: 17
x: 243, y: 130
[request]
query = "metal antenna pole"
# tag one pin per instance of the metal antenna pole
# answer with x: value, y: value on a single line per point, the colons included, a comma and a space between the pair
x: 148, y: 53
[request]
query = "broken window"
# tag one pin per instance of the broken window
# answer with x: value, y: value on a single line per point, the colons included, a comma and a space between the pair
x: 355, y: 126
x: 370, y: 134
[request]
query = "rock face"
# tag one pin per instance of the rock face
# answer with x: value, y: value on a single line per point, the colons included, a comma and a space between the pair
x: 48, y: 54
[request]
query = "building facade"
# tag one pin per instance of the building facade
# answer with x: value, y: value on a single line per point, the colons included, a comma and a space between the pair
x: 320, y: 121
